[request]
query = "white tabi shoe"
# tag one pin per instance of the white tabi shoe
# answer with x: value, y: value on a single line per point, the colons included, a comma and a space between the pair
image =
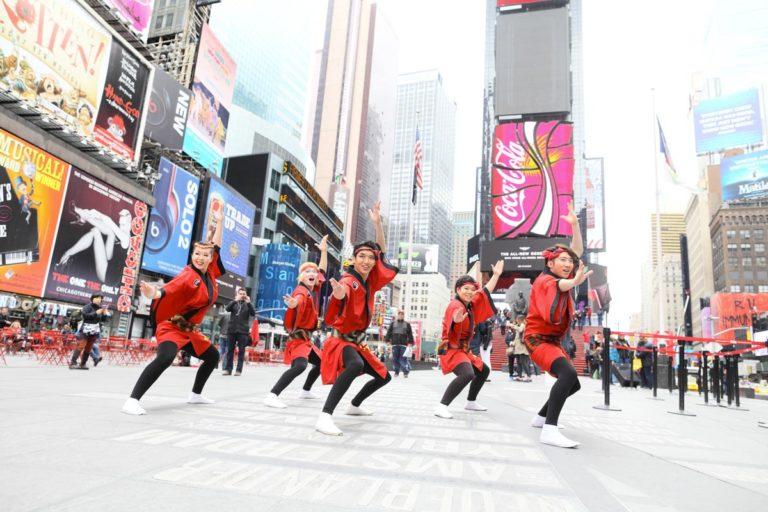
x: 307, y: 395
x: 359, y: 411
x: 474, y: 406
x: 441, y: 411
x: 325, y: 425
x: 552, y: 436
x: 538, y: 422
x: 195, y: 398
x: 131, y: 406
x: 273, y: 401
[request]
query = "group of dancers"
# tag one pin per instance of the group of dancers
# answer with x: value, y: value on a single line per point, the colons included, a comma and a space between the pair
x: 180, y: 305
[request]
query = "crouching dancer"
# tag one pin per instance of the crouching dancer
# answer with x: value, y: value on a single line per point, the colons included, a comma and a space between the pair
x: 345, y: 354
x: 470, y: 306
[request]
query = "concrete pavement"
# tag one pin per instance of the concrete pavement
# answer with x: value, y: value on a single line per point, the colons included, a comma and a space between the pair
x: 65, y: 446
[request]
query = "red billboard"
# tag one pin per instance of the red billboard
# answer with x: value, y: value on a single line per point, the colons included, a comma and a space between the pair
x: 733, y: 311
x: 531, y: 178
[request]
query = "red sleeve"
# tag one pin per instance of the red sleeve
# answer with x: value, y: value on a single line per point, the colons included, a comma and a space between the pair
x: 255, y: 330
x: 172, y: 294
x: 381, y: 274
x: 335, y: 306
x: 482, y: 306
x: 216, y: 267
x: 451, y: 331
x: 546, y: 297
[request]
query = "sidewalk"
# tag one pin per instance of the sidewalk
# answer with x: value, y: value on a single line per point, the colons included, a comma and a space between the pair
x: 66, y: 447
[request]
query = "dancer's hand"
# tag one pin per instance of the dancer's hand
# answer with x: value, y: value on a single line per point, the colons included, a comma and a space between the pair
x: 148, y: 290
x: 323, y: 245
x: 339, y: 290
x: 459, y: 316
x: 498, y: 268
x: 375, y: 212
x: 571, y: 218
x: 581, y: 274
x: 291, y: 302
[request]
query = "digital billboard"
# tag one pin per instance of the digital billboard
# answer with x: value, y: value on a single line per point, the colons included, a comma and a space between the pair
x: 599, y: 292
x: 509, y: 3
x: 172, y: 220
x: 32, y: 186
x: 595, y: 203
x: 137, y: 13
x: 122, y: 102
x: 744, y: 176
x: 55, y: 55
x: 212, y: 88
x: 278, y: 271
x: 98, y: 246
x: 531, y: 178
x: 237, y: 236
x: 728, y: 122
x: 533, y: 68
x: 424, y: 258
x: 522, y: 254
x: 167, y: 111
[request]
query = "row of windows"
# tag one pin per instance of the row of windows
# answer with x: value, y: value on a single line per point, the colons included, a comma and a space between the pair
x: 735, y: 288
x: 746, y: 233
x: 759, y: 247
x: 164, y: 21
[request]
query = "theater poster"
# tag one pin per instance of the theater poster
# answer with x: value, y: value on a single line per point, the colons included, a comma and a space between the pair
x: 32, y: 185
x: 122, y: 102
x: 99, y: 243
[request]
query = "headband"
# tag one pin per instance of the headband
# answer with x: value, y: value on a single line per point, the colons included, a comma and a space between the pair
x: 367, y: 246
x: 465, y: 280
x: 552, y: 253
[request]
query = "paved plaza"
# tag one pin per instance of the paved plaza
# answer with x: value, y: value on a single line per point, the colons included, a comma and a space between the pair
x: 65, y: 446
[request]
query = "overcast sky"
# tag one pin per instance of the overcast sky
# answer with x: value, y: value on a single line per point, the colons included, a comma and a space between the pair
x: 629, y: 48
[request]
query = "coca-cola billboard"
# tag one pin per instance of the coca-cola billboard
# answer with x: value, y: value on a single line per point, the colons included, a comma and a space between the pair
x: 531, y: 178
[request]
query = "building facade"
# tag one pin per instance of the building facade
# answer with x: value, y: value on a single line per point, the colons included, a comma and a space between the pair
x: 351, y: 136
x: 463, y: 230
x: 662, y: 278
x: 699, y: 255
x: 427, y: 297
x: 422, y: 103
x: 739, y: 257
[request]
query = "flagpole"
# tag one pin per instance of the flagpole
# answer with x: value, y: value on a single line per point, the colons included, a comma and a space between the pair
x: 411, y: 215
x: 658, y: 269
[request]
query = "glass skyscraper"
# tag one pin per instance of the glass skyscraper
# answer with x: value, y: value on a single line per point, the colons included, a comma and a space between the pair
x: 421, y: 100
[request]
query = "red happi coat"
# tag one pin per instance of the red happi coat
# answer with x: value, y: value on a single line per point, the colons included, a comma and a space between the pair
x: 550, y: 310
x: 303, y: 316
x: 353, y: 313
x: 190, y: 294
x: 457, y: 336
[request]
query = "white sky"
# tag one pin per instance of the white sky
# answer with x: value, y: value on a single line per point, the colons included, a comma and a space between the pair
x: 630, y: 47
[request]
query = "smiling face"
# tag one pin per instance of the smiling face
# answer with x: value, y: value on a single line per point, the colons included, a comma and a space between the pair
x: 562, y: 266
x: 466, y: 292
x: 201, y: 257
x: 309, y: 276
x: 364, y: 261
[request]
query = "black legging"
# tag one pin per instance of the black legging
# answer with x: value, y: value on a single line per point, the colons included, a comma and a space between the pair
x: 566, y: 385
x: 298, y: 365
x: 354, y: 365
x: 466, y: 372
x: 166, y: 353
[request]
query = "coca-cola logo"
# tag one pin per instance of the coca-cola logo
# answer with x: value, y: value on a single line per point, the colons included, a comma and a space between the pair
x: 509, y: 155
x: 511, y: 210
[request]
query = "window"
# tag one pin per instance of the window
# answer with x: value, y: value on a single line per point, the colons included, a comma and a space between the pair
x: 731, y: 233
x: 733, y: 248
x: 733, y: 261
x: 269, y: 234
x: 763, y: 288
x: 744, y: 233
x: 168, y: 20
x: 274, y: 180
x: 746, y: 262
x: 759, y: 247
x: 749, y: 289
x: 760, y: 261
x: 159, y: 22
x: 735, y: 288
x: 758, y: 233
x: 271, y: 209
x: 746, y: 247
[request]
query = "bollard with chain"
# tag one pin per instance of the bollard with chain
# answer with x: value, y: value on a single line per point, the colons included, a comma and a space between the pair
x: 682, y: 381
x: 734, y: 401
x: 705, y: 378
x: 606, y: 373
x: 655, y: 366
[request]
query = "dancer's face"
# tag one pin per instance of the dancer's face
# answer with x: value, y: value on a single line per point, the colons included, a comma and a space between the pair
x: 97, y: 300
x: 562, y: 266
x: 466, y: 292
x: 364, y: 262
x: 201, y: 258
x: 309, y: 277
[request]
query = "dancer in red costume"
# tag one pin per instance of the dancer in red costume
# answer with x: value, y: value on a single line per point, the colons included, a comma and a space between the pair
x: 549, y: 318
x: 345, y: 354
x: 471, y: 305
x: 177, y: 310
x: 300, y: 321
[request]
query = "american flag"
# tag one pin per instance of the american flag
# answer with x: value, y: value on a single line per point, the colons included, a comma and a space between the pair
x: 417, y: 179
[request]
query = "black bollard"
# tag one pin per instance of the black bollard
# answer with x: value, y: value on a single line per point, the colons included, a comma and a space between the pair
x: 670, y: 375
x: 705, y: 378
x: 631, y: 369
x: 735, y: 366
x: 734, y: 400
x: 606, y: 373
x: 716, y: 379
x: 655, y: 366
x: 682, y: 381
x: 729, y: 381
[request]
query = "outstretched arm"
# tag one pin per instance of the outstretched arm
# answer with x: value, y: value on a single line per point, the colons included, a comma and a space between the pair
x: 323, y: 246
x: 217, y: 234
x: 498, y: 268
x: 576, y: 242
x: 375, y: 214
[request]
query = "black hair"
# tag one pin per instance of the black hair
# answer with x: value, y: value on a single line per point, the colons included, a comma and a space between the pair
x: 368, y: 244
x: 464, y: 280
x: 93, y: 296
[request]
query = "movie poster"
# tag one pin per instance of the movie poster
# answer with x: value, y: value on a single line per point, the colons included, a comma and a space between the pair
x: 122, y: 102
x: 99, y: 243
x: 54, y: 54
x: 32, y: 185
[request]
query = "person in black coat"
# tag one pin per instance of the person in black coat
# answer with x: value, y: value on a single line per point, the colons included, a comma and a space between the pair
x: 240, y: 312
x: 90, y: 330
